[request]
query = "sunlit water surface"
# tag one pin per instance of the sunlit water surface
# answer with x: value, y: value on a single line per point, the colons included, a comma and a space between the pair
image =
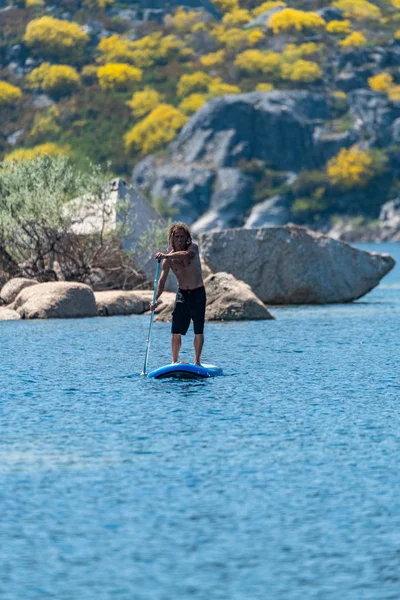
x: 278, y: 480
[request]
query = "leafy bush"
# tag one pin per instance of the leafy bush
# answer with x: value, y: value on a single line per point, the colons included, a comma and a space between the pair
x: 144, y: 52
x: 359, y: 10
x: 118, y: 76
x: 184, y: 20
x: 236, y: 18
x: 354, y: 40
x: 256, y: 61
x: 302, y: 70
x: 9, y: 94
x: 194, y: 82
x: 339, y: 26
x: 38, y: 217
x: 55, y: 38
x: 45, y: 124
x: 49, y: 149
x: 290, y: 19
x: 56, y: 80
x: 264, y: 87
x: 354, y: 167
x: 30, y: 3
x: 192, y: 103
x: 144, y: 102
x: 236, y: 39
x: 381, y: 83
x: 218, y: 88
x: 213, y: 59
x: 155, y: 130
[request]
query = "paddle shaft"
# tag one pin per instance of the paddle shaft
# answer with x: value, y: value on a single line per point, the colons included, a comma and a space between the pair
x: 157, y: 277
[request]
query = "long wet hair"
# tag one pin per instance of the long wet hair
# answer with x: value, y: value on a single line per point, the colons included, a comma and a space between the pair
x: 173, y: 228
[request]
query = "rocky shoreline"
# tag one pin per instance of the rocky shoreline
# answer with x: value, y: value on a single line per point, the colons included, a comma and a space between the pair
x: 249, y: 268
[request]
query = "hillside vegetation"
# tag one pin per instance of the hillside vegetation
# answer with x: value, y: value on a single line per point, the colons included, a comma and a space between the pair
x: 81, y: 79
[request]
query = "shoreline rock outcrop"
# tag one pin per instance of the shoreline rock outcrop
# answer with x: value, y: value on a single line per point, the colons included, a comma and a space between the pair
x: 13, y: 287
x: 55, y: 300
x: 294, y: 265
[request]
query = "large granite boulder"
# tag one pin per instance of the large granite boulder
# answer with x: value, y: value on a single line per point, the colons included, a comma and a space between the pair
x: 6, y: 314
x: 374, y: 114
x: 293, y: 265
x: 13, y: 287
x: 123, y: 302
x: 275, y: 127
x: 58, y: 300
x: 227, y: 300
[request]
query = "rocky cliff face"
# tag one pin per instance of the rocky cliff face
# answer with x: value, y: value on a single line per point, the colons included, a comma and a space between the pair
x: 214, y: 174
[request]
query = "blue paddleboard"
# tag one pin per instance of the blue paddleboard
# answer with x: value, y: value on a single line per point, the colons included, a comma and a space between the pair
x: 184, y: 370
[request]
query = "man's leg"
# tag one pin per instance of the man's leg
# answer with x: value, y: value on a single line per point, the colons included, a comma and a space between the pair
x: 176, y: 341
x: 198, y: 347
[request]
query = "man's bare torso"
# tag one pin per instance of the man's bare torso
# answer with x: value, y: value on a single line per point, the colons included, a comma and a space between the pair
x: 188, y: 270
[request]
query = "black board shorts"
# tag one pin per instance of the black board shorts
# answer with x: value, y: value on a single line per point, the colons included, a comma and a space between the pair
x: 189, y: 304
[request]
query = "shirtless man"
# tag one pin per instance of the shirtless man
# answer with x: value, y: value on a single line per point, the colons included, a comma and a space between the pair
x: 190, y: 303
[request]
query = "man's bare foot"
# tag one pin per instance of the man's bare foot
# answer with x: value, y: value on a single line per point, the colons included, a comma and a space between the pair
x: 197, y: 363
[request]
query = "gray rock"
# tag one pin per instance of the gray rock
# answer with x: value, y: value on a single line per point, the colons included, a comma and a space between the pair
x: 154, y: 14
x: 375, y: 114
x: 58, y: 300
x: 329, y: 143
x: 186, y: 188
x: 353, y: 79
x: 42, y: 101
x: 231, y: 197
x: 8, y: 315
x: 293, y: 265
x: 330, y: 13
x: 13, y: 138
x: 272, y: 212
x: 275, y: 127
x: 13, y: 287
x: 122, y: 302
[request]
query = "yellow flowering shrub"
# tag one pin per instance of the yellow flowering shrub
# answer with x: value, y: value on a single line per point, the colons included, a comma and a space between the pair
x: 194, y: 82
x: 291, y: 19
x: 351, y: 168
x: 302, y: 70
x: 9, y: 94
x: 218, y: 88
x: 155, y: 130
x: 118, y: 76
x: 339, y: 95
x: 292, y: 52
x: 144, y: 102
x: 255, y: 36
x: 256, y: 61
x: 381, y: 83
x: 225, y: 6
x: 142, y: 53
x: 46, y: 124
x: 54, y: 79
x: 235, y: 38
x: 339, y: 26
x: 397, y: 35
x: 264, y: 87
x: 192, y: 103
x: 354, y: 40
x: 29, y: 3
x: 266, y: 6
x: 55, y: 38
x: 40, y: 150
x: 237, y: 17
x: 359, y: 10
x: 184, y: 20
x: 394, y: 93
x: 213, y: 59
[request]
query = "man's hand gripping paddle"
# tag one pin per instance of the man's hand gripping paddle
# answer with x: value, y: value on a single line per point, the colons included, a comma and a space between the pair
x: 157, y: 277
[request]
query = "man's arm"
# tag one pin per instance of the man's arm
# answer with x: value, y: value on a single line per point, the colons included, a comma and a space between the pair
x: 161, y: 282
x: 189, y: 253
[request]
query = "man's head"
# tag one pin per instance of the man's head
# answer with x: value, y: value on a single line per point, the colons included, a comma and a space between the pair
x: 179, y: 236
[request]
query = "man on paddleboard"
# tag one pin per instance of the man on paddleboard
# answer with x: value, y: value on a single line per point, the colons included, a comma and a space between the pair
x: 190, y: 304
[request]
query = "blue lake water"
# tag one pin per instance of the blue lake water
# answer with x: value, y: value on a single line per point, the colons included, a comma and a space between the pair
x: 279, y: 480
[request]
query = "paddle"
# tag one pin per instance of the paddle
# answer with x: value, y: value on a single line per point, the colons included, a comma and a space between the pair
x: 157, y: 277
